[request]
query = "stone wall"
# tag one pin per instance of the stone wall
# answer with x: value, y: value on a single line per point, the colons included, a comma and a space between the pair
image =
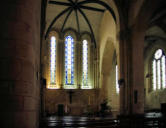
x: 81, y: 101
x: 153, y: 99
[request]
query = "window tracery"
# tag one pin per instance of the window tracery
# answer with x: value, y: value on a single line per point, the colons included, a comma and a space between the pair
x: 158, y: 70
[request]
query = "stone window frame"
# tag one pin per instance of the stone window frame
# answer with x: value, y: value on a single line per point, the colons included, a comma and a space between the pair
x: 60, y: 37
x: 53, y: 85
x: 73, y: 34
x: 87, y: 36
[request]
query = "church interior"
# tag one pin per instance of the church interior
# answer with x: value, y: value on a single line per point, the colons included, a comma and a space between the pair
x: 85, y: 59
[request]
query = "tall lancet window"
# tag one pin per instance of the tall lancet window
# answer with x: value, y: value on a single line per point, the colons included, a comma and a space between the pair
x: 53, y: 60
x: 116, y: 73
x: 158, y: 69
x: 85, y: 64
x: 69, y: 61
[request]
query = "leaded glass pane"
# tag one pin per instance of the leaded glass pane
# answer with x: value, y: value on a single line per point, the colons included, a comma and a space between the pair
x: 53, y: 59
x: 159, y: 70
x: 154, y: 74
x: 85, y: 63
x: 69, y: 60
x: 158, y: 74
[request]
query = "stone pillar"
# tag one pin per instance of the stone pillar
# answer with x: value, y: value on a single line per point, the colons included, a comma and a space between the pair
x: 79, y: 64
x: 138, y: 71
x: 61, y: 63
x: 125, y: 72
x: 92, y: 65
x: 131, y: 72
x: 19, y: 63
x: 105, y: 86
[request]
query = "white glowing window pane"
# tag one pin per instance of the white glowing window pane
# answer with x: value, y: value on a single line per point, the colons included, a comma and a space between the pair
x: 158, y: 74
x: 117, y: 85
x: 53, y: 59
x: 85, y: 63
x: 163, y: 72
x: 53, y: 39
x: 158, y: 54
x: 154, y: 75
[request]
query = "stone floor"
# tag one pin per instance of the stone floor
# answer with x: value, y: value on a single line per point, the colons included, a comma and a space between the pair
x: 78, y: 122
x: 147, y: 121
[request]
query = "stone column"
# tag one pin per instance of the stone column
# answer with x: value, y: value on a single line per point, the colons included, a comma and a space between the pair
x: 92, y: 65
x: 61, y: 63
x: 138, y: 71
x: 131, y: 72
x: 19, y: 63
x: 79, y: 64
x: 125, y: 72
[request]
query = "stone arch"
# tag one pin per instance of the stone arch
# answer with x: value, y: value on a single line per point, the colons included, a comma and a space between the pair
x: 107, y: 32
x: 107, y: 57
x: 108, y: 48
x: 108, y: 77
x: 87, y: 36
x: 72, y: 33
x: 56, y: 35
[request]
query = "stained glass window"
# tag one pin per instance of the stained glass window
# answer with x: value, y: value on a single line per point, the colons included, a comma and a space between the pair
x: 53, y: 60
x: 117, y: 85
x: 85, y: 64
x: 158, y: 68
x: 69, y: 60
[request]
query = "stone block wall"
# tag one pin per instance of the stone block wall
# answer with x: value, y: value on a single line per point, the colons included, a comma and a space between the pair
x: 155, y: 99
x: 81, y: 99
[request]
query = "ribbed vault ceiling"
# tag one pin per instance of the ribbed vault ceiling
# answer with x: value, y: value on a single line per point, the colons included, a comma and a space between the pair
x: 79, y: 15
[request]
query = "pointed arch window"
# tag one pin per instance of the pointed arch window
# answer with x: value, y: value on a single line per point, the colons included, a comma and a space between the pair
x: 53, y: 60
x: 116, y: 73
x: 158, y: 70
x: 69, y: 60
x: 84, y: 64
